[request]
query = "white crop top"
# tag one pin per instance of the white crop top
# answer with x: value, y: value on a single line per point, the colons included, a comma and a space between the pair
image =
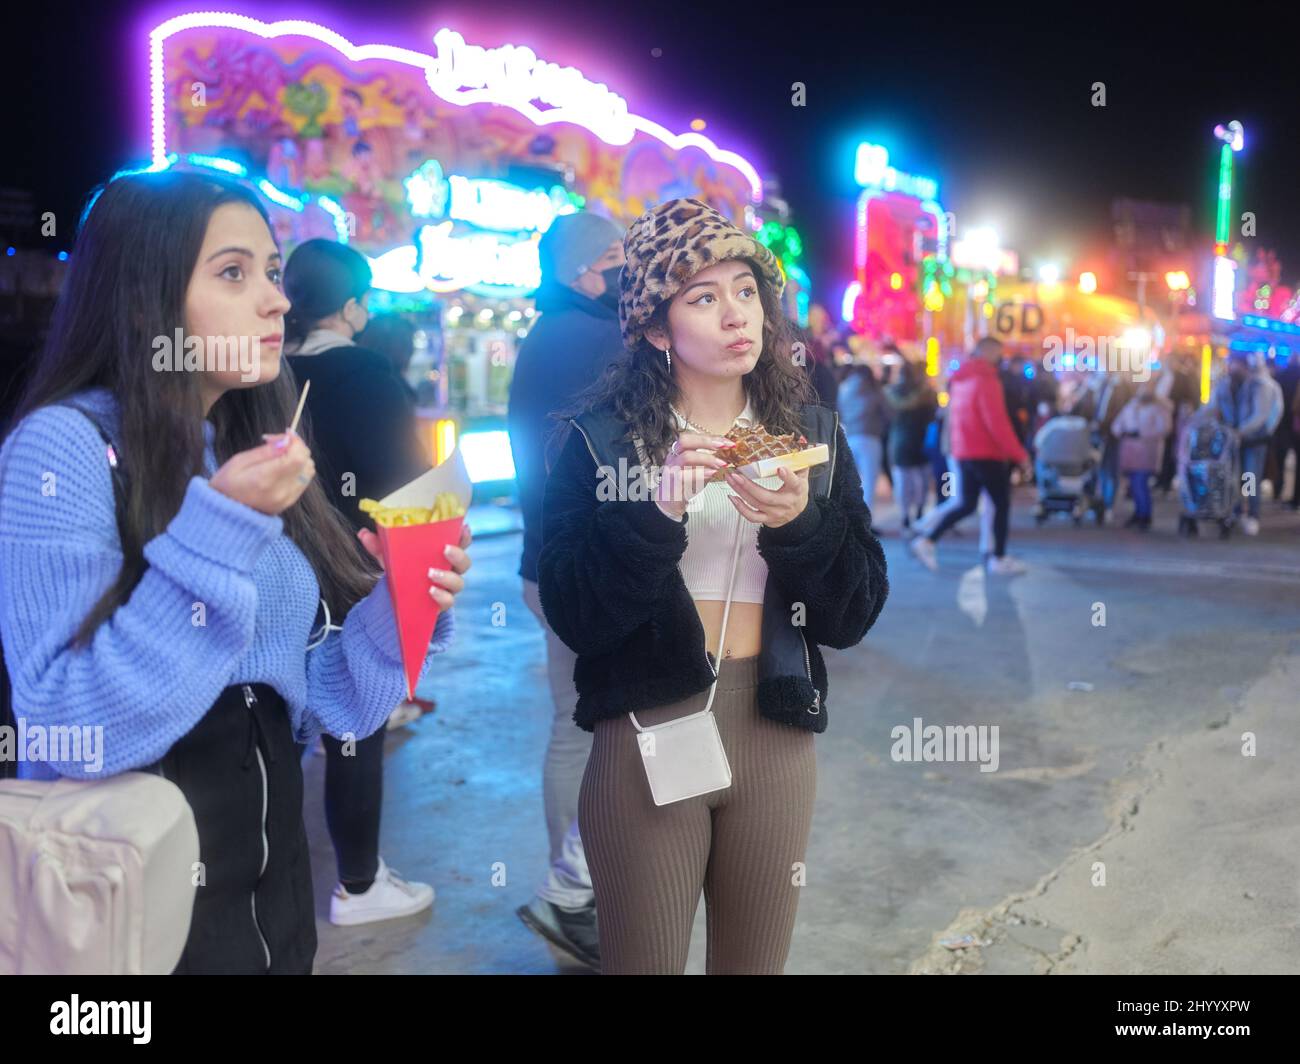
x: 711, y: 535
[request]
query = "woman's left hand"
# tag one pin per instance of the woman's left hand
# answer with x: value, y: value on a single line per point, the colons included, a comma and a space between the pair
x: 447, y: 583
x: 773, y: 507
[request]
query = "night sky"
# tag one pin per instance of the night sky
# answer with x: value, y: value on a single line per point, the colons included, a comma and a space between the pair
x: 996, y: 108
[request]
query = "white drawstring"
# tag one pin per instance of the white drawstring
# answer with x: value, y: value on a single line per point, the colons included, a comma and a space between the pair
x: 325, y: 630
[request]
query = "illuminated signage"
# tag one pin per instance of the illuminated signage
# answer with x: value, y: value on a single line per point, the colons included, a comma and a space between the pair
x: 463, y: 75
x: 504, y: 207
x: 1225, y: 278
x: 514, y: 75
x: 484, y: 202
x: 872, y: 170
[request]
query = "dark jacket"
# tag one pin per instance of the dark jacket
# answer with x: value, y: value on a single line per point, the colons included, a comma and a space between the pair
x: 822, y: 377
x: 864, y: 411
x: 913, y: 411
x: 612, y: 590
x: 573, y: 341
x: 362, y: 422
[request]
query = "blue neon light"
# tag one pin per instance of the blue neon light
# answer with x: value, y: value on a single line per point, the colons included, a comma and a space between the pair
x: 340, y: 217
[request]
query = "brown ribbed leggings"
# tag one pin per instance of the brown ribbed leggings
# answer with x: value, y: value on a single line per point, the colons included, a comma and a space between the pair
x: 744, y: 846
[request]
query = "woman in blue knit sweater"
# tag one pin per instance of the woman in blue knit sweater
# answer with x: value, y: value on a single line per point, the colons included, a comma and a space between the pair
x: 177, y: 589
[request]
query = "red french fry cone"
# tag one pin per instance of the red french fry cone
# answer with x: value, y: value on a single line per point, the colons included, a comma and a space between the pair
x: 409, y: 552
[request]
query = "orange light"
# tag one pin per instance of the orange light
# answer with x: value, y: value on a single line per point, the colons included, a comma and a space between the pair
x: 895, y: 281
x: 1087, y: 283
x: 1207, y: 361
x: 444, y: 439
x: 697, y: 124
x: 943, y: 398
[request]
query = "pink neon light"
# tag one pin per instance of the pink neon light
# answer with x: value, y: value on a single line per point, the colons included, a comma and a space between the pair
x: 605, y: 130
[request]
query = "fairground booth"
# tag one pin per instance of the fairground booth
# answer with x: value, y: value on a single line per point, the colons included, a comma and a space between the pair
x: 443, y: 162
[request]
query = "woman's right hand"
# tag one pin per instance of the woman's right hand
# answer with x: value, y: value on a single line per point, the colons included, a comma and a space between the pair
x: 687, y: 469
x: 270, y: 478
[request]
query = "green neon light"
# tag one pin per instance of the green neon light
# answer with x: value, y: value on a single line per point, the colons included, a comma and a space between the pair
x: 1225, y: 195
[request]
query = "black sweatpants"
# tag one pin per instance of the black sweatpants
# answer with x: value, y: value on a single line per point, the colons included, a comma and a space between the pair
x: 982, y: 474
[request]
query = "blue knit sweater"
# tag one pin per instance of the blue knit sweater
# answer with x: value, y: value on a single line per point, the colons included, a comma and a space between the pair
x: 150, y: 672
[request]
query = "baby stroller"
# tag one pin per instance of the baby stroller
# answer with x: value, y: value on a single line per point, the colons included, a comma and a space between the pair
x: 1210, y: 480
x: 1065, y: 467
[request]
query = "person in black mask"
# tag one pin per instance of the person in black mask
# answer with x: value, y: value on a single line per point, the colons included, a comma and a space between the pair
x: 576, y: 336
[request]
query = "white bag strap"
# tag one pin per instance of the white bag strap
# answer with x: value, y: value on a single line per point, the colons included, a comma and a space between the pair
x: 722, y: 637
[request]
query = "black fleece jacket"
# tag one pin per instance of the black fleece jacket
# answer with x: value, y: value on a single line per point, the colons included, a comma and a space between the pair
x: 611, y: 589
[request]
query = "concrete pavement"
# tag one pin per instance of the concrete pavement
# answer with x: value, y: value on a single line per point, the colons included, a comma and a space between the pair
x: 1118, y: 742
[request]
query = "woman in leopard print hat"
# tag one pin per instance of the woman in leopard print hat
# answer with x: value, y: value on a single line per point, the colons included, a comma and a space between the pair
x: 685, y: 598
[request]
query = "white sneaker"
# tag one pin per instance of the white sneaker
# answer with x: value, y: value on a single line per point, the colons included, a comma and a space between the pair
x: 389, y: 897
x: 404, y: 714
x: 1007, y: 566
x: 1250, y: 525
x: 923, y: 551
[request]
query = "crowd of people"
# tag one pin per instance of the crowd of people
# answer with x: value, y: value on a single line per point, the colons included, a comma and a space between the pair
x: 940, y: 463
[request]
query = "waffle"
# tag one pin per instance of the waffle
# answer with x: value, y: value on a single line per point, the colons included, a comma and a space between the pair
x: 753, y: 445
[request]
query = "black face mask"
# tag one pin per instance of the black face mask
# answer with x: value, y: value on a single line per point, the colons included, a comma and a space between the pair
x: 610, y: 296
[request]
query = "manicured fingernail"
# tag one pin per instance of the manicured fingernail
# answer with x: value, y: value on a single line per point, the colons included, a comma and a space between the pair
x: 437, y: 574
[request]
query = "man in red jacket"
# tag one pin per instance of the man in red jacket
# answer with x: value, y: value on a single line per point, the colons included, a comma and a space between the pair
x: 984, y: 443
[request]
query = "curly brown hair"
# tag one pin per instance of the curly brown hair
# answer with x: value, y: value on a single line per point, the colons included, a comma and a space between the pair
x: 639, y: 388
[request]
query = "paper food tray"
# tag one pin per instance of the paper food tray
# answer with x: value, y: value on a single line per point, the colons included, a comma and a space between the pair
x: 409, y: 550
x: 804, y: 459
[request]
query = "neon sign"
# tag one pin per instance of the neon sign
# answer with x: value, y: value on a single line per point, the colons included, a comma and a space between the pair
x: 461, y: 75
x: 498, y: 205
x: 427, y: 191
x: 1225, y: 278
x: 440, y: 261
x: 448, y: 262
x: 515, y: 75
x: 871, y: 169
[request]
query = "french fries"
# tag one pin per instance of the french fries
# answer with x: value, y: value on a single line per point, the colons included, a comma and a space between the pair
x: 445, y: 506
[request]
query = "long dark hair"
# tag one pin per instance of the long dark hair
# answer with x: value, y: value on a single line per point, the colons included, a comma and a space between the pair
x: 130, y: 268
x: 639, y: 387
x: 319, y: 278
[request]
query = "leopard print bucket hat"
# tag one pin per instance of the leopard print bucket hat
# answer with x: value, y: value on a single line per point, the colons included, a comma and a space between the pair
x: 670, y: 244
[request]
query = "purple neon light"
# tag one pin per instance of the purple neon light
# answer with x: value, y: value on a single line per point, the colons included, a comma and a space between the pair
x: 425, y: 62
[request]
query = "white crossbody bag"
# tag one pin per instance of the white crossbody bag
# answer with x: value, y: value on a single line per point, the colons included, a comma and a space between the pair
x: 684, y: 758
